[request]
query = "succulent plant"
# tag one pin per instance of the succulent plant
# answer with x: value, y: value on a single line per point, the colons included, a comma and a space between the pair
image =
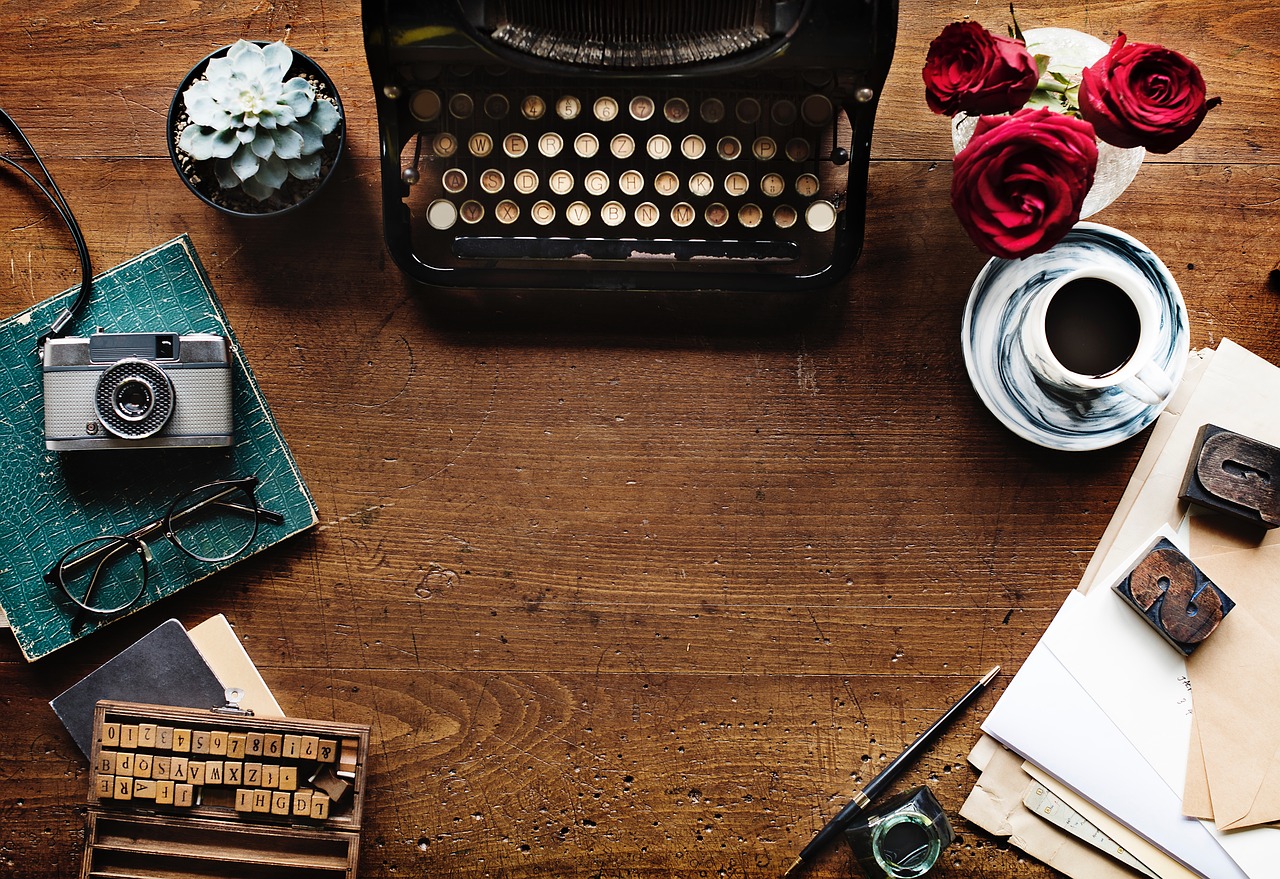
x: 259, y: 128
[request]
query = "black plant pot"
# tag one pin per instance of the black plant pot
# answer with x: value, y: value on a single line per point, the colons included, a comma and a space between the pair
x: 294, y: 193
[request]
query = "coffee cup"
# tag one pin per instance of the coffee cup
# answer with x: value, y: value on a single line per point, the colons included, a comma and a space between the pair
x: 1096, y: 329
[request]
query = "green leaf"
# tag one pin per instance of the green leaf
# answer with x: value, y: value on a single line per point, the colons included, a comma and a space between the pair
x: 279, y: 58
x: 244, y: 163
x: 1015, y: 31
x: 247, y: 59
x: 1042, y: 65
x: 299, y: 95
x: 225, y: 143
x: 274, y: 171
x: 227, y: 178
x: 264, y: 144
x: 306, y: 168
x: 197, y: 142
x: 312, y: 139
x: 257, y: 190
x: 324, y: 116
x: 288, y: 143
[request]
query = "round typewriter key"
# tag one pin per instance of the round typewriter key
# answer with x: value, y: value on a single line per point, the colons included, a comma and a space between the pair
x: 784, y: 216
x: 586, y: 145
x: 641, y: 108
x: 693, y: 147
x: 596, y: 182
x: 764, y: 148
x: 631, y: 182
x: 712, y: 110
x: 797, y: 149
x: 533, y: 107
x: 666, y: 183
x: 492, y: 181
x: 441, y: 214
x: 480, y: 144
x: 748, y: 110
x: 550, y: 144
x: 622, y: 146
x: 750, y: 215
x: 728, y: 148
x: 506, y: 211
x: 454, y: 180
x: 816, y: 110
x: 783, y: 112
x: 561, y: 182
x: 444, y: 145
x: 461, y: 106
x: 606, y: 109
x: 471, y: 211
x: 773, y: 185
x: 542, y: 212
x: 496, y: 106
x: 647, y: 214
x: 613, y: 213
x: 683, y: 214
x: 568, y: 107
x: 716, y: 215
x: 820, y: 216
x: 659, y: 146
x: 515, y: 145
x: 424, y: 105
x: 737, y: 184
x: 807, y: 184
x: 525, y: 181
x: 676, y: 110
x: 578, y: 213
x: 701, y: 184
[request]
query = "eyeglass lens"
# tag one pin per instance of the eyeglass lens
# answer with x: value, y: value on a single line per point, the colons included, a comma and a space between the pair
x: 111, y: 580
x: 216, y: 522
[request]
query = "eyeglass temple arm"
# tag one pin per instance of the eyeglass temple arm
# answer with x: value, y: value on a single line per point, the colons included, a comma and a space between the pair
x: 108, y: 553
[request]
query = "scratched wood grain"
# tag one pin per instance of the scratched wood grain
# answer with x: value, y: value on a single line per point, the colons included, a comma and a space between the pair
x: 616, y: 604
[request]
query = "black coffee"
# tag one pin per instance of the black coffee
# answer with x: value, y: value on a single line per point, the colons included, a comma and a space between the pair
x: 1092, y: 326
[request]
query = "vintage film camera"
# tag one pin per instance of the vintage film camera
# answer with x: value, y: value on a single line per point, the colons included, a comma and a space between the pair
x: 137, y: 391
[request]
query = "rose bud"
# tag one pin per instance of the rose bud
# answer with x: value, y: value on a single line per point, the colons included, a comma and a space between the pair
x: 1141, y: 94
x: 1018, y: 186
x: 970, y: 69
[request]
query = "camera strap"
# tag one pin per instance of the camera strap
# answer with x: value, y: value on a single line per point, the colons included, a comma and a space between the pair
x: 54, y: 195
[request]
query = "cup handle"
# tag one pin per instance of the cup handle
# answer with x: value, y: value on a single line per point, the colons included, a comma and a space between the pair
x: 1150, y: 385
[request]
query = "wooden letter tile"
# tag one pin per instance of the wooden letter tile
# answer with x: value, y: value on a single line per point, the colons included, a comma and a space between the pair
x: 302, y: 803
x: 183, y: 795
x: 146, y: 735
x: 182, y: 741
x: 1175, y: 597
x: 1234, y: 474
x: 235, y: 746
x: 164, y: 793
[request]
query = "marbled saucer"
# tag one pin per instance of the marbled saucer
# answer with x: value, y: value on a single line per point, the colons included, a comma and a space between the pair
x: 1044, y: 415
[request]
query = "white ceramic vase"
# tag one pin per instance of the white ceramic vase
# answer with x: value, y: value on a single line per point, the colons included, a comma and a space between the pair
x: 1071, y: 51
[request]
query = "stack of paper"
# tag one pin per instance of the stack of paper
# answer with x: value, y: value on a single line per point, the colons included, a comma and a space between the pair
x: 1101, y: 712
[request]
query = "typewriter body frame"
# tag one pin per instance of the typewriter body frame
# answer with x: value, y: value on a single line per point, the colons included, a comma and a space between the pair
x: 849, y: 42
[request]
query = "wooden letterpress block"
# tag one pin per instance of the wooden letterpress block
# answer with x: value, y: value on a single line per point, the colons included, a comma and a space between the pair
x: 1175, y: 596
x: 164, y: 738
x: 302, y: 803
x: 253, y: 774
x: 262, y: 801
x: 164, y: 793
x: 233, y: 773
x: 142, y: 766
x: 270, y: 775
x: 328, y: 750
x: 184, y: 795
x: 129, y: 735
x: 124, y: 764
x: 235, y: 746
x: 281, y: 802
x: 144, y: 789
x: 106, y: 762
x: 292, y: 747
x: 105, y: 786
x: 253, y: 744
x: 178, y: 769
x: 213, y: 772
x: 195, y: 772
x: 111, y: 735
x: 271, y: 743
x: 288, y: 778
x: 244, y: 800
x: 200, y: 741
x: 310, y: 747
x: 1234, y: 474
x: 348, y: 755
x: 319, y: 806
x: 182, y: 741
x: 147, y: 735
x: 162, y: 768
x: 333, y: 786
x: 124, y: 787
x: 218, y: 743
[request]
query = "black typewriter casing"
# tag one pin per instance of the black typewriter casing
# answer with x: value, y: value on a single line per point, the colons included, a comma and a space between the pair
x: 839, y: 49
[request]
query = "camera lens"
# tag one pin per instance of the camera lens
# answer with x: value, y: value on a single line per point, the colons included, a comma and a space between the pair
x: 134, y: 398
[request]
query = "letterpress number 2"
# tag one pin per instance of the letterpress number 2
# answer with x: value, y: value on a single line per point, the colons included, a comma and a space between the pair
x: 1186, y: 616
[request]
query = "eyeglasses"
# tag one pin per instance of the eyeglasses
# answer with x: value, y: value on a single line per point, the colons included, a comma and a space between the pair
x: 212, y: 523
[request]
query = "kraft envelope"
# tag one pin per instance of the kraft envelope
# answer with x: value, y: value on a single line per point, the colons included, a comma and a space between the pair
x: 1236, y: 703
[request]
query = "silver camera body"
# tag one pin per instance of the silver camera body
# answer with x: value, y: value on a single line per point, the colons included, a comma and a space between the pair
x: 137, y: 391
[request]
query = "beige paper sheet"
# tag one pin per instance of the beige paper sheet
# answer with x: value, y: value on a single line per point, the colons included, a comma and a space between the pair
x: 218, y: 644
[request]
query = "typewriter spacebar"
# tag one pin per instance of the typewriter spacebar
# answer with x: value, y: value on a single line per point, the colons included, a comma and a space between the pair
x: 628, y: 249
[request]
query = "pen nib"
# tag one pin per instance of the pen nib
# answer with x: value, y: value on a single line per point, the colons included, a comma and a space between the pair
x: 989, y: 676
x: 794, y: 864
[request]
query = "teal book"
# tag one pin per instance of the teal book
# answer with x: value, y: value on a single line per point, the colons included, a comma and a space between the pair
x: 50, y: 501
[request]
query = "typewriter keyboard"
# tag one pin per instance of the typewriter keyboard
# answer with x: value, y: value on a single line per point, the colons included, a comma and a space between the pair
x: 502, y: 173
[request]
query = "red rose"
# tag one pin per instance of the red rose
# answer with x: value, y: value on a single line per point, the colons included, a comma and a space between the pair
x: 970, y: 69
x: 1144, y: 95
x: 1019, y: 184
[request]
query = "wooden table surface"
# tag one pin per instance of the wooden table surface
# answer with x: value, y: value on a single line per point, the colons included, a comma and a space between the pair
x: 616, y: 604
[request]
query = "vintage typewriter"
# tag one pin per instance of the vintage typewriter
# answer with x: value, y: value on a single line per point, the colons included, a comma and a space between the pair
x: 627, y: 144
